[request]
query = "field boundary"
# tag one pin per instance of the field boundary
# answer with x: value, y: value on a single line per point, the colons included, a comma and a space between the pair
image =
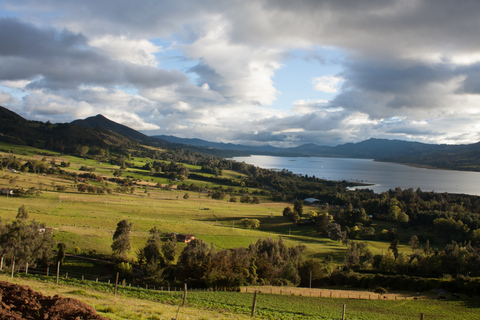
x: 331, y: 293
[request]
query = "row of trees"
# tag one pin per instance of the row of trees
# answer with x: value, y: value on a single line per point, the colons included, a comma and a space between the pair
x: 454, y: 259
x: 25, y: 242
x: 267, y: 261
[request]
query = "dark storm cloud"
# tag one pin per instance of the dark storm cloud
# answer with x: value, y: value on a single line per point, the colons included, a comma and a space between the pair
x: 471, y: 83
x: 58, y: 60
x: 415, y: 60
x: 394, y: 76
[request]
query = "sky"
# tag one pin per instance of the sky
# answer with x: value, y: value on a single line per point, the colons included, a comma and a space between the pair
x: 272, y: 72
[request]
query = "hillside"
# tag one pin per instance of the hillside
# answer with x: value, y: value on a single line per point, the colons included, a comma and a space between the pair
x: 101, y: 133
x: 62, y: 137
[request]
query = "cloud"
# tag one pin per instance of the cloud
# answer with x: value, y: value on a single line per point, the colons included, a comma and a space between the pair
x: 407, y: 69
x: 56, y: 60
x: 135, y: 51
x: 5, y: 98
x: 327, y: 84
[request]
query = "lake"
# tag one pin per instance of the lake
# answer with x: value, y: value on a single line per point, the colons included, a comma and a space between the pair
x: 382, y: 175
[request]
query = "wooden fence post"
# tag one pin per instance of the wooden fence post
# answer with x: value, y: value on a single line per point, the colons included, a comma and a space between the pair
x: 13, y: 266
x: 26, y: 268
x: 116, y: 284
x: 421, y: 316
x: 254, y: 305
x: 1, y: 265
x: 344, y: 307
x: 48, y: 269
x: 184, y: 293
x: 58, y: 271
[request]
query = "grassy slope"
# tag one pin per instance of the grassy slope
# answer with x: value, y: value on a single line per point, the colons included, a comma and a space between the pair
x: 87, y: 221
x: 133, y: 303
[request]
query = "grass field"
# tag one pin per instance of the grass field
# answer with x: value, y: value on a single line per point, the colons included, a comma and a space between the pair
x: 137, y: 303
x: 86, y: 222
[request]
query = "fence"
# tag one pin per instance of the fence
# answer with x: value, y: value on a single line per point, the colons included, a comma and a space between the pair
x: 327, y: 293
x: 51, y: 272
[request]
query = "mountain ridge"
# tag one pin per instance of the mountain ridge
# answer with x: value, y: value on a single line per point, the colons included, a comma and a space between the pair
x: 16, y: 129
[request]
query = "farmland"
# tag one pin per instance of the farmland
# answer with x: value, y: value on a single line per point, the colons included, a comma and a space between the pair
x: 87, y: 221
x: 138, y: 303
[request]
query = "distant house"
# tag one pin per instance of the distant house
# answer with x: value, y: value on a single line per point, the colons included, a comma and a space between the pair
x: 185, y: 238
x: 6, y: 191
x: 311, y: 200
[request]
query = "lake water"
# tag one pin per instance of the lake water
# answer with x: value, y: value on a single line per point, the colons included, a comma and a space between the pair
x: 382, y: 175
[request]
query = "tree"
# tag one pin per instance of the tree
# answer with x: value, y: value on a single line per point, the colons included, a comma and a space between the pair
x: 414, y: 242
x: 31, y: 243
x: 169, y: 249
x: 152, y: 258
x: 251, y: 223
x: 298, y: 207
x: 403, y: 219
x: 322, y: 221
x: 393, y: 213
x: 124, y: 269
x: 118, y: 173
x: 287, y: 211
x: 394, y: 247
x: 352, y: 256
x: 121, y: 238
x: 82, y: 187
x: 61, y: 252
x: 195, y: 262
x: 334, y: 231
x: 22, y: 213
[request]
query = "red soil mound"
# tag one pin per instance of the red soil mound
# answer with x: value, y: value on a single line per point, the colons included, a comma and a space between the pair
x: 21, y: 302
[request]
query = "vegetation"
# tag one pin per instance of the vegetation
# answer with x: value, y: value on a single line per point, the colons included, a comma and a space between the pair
x: 138, y: 202
x: 138, y: 303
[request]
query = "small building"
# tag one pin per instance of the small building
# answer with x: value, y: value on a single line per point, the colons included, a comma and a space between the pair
x: 311, y: 200
x: 6, y: 191
x: 185, y: 238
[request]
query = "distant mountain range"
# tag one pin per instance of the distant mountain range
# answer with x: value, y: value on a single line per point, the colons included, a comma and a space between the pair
x: 458, y: 157
x: 102, y: 132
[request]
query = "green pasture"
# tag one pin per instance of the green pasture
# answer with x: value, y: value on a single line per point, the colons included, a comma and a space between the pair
x: 140, y: 303
x: 86, y: 222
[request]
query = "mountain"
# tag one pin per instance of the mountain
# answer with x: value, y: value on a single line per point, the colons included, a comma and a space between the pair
x: 62, y: 137
x: 218, y: 145
x: 99, y: 121
x: 102, y: 133
x: 456, y: 157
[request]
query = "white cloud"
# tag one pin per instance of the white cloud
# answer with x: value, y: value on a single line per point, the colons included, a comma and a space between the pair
x: 327, y: 84
x: 5, y: 98
x: 136, y: 51
x: 401, y: 61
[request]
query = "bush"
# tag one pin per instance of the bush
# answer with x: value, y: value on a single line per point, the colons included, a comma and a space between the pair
x: 251, y: 223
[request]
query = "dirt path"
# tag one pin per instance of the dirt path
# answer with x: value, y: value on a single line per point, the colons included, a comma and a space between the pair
x: 332, y: 293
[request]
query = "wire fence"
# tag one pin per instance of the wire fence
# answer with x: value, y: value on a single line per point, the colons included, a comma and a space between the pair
x: 55, y: 272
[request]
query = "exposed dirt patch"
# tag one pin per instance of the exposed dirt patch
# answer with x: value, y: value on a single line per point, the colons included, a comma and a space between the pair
x: 21, y: 302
